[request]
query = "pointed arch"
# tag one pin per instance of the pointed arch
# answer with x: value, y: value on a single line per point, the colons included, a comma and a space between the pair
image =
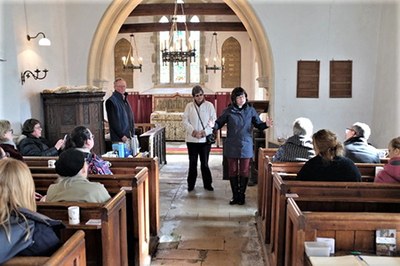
x: 103, y: 42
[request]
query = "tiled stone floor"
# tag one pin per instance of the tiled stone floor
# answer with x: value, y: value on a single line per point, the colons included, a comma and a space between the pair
x: 200, y: 227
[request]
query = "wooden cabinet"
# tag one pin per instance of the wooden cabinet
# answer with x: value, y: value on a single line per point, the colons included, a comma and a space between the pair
x: 64, y: 111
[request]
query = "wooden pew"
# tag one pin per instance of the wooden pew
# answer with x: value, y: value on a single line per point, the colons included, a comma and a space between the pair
x: 137, y: 206
x: 288, y: 171
x: 106, y: 242
x: 71, y: 253
x: 351, y: 230
x: 282, y: 189
x: 152, y: 165
x: 262, y: 152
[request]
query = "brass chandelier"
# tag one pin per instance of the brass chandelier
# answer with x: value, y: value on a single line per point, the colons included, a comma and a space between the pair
x: 216, y: 57
x: 178, y: 50
x: 130, y: 60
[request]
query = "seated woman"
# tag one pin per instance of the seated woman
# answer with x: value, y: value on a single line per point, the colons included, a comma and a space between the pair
x: 73, y: 184
x: 23, y: 231
x: 82, y: 139
x: 7, y: 142
x: 329, y: 163
x: 31, y: 142
x: 391, y: 171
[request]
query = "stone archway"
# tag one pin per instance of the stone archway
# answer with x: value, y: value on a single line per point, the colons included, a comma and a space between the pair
x: 100, y: 56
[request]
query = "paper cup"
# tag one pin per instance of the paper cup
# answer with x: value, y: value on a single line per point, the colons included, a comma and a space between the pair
x: 73, y: 215
x: 51, y: 163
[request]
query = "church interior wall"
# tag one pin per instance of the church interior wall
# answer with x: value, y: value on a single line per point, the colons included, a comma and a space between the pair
x: 360, y: 31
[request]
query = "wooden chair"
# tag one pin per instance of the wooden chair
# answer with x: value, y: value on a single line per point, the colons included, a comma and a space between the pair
x: 71, y: 253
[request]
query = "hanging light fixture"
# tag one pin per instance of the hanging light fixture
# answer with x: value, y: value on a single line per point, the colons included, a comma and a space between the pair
x: 178, y: 50
x: 216, y: 58
x: 129, y: 60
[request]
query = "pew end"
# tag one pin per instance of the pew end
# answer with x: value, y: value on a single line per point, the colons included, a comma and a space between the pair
x: 71, y: 253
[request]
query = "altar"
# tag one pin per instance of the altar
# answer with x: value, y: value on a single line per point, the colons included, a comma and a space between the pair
x: 168, y: 112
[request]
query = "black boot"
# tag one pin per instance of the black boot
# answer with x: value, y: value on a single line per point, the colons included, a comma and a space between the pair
x: 242, y: 189
x: 235, y: 190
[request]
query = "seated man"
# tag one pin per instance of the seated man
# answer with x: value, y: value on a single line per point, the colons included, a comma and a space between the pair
x: 356, y: 145
x: 73, y: 184
x: 299, y: 147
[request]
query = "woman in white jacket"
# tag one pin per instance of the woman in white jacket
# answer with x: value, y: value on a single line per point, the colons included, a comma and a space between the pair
x: 198, y: 120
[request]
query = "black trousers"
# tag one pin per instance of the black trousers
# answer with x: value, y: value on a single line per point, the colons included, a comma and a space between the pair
x: 196, y: 150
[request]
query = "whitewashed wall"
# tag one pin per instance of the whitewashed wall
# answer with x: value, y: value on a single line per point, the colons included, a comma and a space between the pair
x: 362, y: 31
x: 326, y: 30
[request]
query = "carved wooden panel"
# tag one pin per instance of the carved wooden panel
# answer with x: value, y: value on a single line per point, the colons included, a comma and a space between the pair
x: 231, y: 52
x: 122, y: 49
x: 64, y: 111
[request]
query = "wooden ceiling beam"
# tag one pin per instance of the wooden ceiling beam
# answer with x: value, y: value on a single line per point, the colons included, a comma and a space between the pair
x: 201, y: 26
x: 189, y: 9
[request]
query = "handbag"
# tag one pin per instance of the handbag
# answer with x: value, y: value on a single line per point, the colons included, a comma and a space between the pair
x: 210, y: 139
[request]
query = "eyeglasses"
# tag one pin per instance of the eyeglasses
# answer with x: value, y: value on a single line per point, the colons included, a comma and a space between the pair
x: 198, y: 95
x: 37, y: 127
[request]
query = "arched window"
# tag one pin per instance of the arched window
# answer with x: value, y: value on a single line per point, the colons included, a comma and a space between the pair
x: 180, y: 73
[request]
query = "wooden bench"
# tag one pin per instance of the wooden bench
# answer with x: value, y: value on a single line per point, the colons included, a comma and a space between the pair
x: 71, y: 253
x: 288, y: 171
x: 106, y: 241
x: 262, y: 152
x: 137, y: 206
x: 154, y: 191
x: 351, y: 230
x: 354, y: 191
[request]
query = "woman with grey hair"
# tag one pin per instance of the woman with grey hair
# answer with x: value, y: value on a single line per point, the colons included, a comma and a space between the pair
x: 299, y: 147
x: 7, y: 142
x: 198, y: 120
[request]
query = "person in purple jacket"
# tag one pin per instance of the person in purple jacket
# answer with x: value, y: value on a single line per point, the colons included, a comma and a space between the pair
x: 240, y: 118
x: 391, y: 171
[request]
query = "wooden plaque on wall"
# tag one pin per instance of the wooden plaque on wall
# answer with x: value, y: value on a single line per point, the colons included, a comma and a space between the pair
x: 231, y: 76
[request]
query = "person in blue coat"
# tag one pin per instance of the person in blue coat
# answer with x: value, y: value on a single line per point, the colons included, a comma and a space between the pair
x: 240, y: 118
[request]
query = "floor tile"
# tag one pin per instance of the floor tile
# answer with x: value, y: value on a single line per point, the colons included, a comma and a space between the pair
x: 200, y: 227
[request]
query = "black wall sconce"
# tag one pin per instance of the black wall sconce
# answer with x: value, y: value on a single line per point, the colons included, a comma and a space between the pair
x: 28, y: 74
x: 43, y: 41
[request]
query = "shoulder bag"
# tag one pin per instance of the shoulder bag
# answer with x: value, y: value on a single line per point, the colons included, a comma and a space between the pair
x: 210, y: 139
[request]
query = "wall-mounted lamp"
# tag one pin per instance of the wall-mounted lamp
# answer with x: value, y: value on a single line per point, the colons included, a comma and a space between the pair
x: 43, y: 41
x: 28, y: 74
